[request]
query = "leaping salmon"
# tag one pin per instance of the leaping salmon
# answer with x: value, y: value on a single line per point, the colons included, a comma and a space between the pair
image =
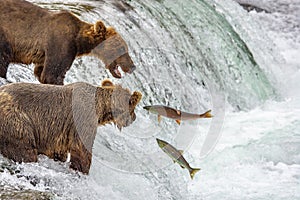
x: 176, y: 156
x: 175, y: 114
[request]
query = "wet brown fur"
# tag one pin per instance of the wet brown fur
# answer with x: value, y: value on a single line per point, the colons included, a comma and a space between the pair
x: 57, y: 120
x: 50, y: 40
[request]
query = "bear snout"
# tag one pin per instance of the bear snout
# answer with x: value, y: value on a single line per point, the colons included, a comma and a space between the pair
x: 133, y: 117
x: 131, y: 69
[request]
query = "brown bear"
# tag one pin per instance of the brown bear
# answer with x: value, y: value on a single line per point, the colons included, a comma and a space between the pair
x: 52, y: 40
x: 60, y: 120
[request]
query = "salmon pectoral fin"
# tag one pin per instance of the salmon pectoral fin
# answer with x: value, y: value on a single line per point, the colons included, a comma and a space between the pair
x: 206, y: 115
x: 178, y: 121
x: 159, y: 118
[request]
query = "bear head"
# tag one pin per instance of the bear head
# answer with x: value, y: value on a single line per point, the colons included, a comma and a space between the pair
x: 89, y: 37
x: 119, y: 105
x: 113, y: 51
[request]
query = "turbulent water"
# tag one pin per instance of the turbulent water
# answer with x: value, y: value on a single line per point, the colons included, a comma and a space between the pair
x: 193, y: 55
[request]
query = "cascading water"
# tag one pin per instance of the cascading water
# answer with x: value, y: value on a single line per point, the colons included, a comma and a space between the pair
x: 189, y: 55
x: 187, y: 43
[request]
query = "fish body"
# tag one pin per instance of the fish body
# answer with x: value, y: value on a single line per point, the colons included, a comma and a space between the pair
x: 176, y: 156
x: 175, y: 114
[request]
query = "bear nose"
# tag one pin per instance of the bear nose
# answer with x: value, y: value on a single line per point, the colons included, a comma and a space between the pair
x: 132, y: 68
x: 133, y: 117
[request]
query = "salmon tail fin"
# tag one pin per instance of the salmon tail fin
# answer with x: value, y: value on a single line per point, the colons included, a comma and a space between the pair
x: 193, y: 172
x: 206, y: 115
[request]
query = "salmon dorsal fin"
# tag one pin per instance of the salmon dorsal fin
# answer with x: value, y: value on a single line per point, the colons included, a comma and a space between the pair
x: 180, y: 151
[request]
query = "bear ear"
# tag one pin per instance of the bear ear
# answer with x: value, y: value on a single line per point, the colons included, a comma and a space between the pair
x: 135, y: 99
x: 110, y: 31
x: 99, y: 28
x: 106, y: 82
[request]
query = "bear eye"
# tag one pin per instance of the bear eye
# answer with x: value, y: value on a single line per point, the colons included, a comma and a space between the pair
x: 131, y: 102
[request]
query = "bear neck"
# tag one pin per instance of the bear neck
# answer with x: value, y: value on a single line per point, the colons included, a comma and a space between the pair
x: 103, y: 106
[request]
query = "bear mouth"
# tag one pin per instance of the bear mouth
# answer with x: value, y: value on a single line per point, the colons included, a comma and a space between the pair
x: 116, y: 71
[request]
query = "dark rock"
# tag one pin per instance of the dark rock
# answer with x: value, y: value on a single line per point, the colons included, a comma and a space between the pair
x: 250, y: 7
x: 10, y: 193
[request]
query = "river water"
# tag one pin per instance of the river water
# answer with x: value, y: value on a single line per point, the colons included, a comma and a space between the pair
x: 193, y: 55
